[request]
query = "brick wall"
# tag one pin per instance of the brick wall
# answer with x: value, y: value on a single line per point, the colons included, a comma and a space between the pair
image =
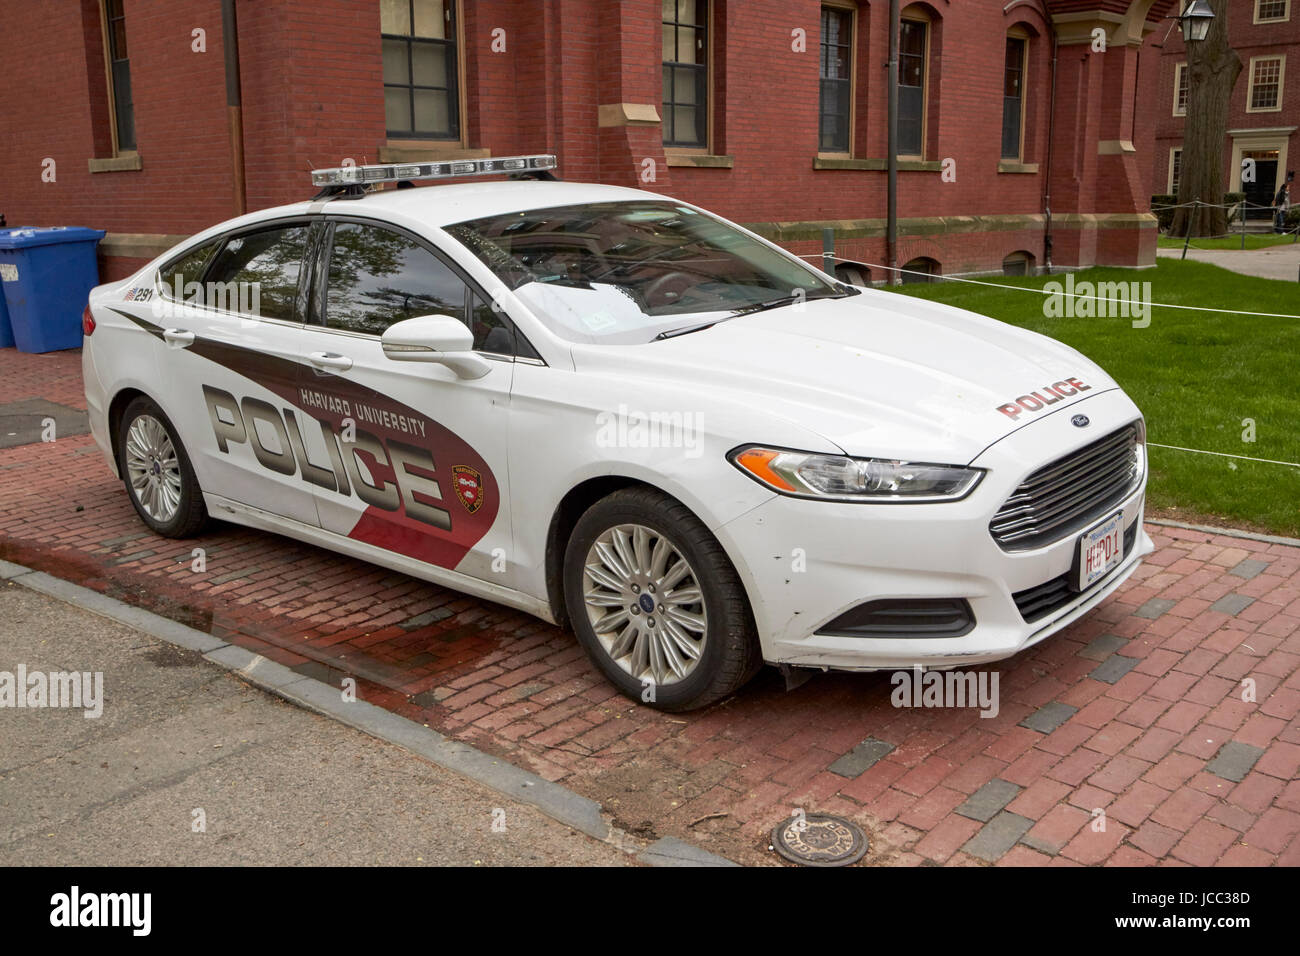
x: 312, y: 89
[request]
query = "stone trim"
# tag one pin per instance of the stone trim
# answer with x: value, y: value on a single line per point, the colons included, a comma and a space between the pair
x: 126, y: 162
x: 947, y: 225
x: 137, y: 245
x: 1115, y: 147
x: 904, y: 165
x: 699, y: 160
x: 627, y: 114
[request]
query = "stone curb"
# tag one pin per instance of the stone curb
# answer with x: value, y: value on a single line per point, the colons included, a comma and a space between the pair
x: 1226, y: 532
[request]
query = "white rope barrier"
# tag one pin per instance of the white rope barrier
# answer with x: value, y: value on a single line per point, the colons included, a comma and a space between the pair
x: 1222, y: 454
x: 1073, y: 295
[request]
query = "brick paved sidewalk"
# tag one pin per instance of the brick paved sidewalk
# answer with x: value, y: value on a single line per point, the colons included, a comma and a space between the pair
x: 1132, y: 717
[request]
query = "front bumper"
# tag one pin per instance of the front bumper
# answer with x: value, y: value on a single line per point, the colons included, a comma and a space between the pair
x: 808, y: 562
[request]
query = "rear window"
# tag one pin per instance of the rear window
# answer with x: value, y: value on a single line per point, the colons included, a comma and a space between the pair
x: 180, y: 277
x: 257, y: 273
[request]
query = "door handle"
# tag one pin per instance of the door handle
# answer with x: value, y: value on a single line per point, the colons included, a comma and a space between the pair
x: 178, y: 337
x: 330, y: 360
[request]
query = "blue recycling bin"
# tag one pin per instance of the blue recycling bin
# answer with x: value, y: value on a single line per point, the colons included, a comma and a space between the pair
x: 6, y: 329
x: 47, y: 274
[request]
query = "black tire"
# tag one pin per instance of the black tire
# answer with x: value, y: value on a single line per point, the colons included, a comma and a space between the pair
x: 191, y: 514
x: 731, y: 655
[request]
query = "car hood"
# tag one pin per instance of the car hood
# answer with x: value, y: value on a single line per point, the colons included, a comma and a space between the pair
x: 878, y: 374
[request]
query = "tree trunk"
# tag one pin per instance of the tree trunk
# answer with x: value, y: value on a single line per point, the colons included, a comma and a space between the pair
x: 1212, y: 71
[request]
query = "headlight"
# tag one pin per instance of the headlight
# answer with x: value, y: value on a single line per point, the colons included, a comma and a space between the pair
x: 837, y: 478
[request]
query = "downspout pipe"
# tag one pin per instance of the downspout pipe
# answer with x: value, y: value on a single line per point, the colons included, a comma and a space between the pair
x: 891, y: 215
x: 1047, y: 165
x: 234, y: 103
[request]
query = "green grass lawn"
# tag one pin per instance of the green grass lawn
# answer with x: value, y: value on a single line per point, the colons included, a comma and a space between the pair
x: 1254, y: 240
x: 1195, y: 375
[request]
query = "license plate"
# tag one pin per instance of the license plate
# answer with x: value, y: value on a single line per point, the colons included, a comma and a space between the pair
x: 1100, y: 550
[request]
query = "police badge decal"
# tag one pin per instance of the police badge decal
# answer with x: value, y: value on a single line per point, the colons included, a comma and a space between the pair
x: 469, y: 487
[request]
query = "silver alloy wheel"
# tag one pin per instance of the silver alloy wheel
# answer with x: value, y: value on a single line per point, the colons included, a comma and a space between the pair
x: 152, y: 468
x: 645, y: 604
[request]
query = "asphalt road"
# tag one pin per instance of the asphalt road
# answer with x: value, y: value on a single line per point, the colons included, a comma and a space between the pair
x: 273, y: 784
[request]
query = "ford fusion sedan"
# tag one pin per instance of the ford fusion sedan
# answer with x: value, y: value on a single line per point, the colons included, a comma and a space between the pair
x: 624, y: 415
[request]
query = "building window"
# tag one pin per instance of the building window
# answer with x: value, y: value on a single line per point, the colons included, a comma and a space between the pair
x: 1265, y: 94
x: 1180, y: 89
x: 1175, y: 168
x: 1019, y: 263
x: 1013, y: 98
x: 421, y: 97
x: 1272, y: 11
x: 836, y: 80
x: 686, y: 73
x: 119, y: 76
x: 912, y: 42
x: 920, y: 269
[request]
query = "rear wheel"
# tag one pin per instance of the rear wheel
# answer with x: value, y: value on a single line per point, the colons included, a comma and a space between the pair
x: 656, y: 603
x: 157, y: 473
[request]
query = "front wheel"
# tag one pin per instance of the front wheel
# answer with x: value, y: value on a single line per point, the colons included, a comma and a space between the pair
x: 656, y: 603
x: 157, y: 473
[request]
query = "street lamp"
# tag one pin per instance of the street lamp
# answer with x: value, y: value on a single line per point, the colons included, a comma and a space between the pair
x: 1195, y: 21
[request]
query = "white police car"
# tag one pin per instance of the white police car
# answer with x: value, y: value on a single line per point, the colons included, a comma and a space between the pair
x: 616, y: 411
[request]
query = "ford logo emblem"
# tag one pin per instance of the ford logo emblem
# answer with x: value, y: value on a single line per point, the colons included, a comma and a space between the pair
x: 1080, y: 421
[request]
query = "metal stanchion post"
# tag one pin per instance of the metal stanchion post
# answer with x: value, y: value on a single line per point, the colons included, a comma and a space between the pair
x: 1187, y: 239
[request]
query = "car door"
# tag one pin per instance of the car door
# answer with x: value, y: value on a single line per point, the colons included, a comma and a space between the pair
x: 231, y: 368
x: 419, y: 453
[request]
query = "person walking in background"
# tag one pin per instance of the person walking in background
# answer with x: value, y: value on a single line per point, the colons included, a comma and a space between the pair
x: 1281, y: 203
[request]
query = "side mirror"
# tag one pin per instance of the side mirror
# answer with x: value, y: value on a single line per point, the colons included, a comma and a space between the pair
x: 434, y: 338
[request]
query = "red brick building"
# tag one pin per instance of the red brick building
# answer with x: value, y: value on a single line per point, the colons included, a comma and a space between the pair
x: 771, y: 112
x: 1265, y: 108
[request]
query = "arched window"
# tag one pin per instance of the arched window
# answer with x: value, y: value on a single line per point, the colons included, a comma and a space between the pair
x: 920, y: 269
x: 1019, y: 263
x: 853, y: 274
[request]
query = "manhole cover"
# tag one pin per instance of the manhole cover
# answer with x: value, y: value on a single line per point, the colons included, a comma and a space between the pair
x: 818, y: 839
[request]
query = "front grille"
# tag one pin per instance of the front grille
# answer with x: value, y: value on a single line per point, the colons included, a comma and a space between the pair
x: 1070, y: 492
x: 1041, y: 600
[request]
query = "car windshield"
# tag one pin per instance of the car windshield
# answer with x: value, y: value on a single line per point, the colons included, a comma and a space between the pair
x: 617, y: 272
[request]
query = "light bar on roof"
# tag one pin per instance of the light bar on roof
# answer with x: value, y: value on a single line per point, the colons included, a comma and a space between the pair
x: 396, y: 172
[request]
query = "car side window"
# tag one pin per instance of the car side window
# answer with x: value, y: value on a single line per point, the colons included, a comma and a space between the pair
x: 258, y: 272
x: 378, y: 277
x: 179, y: 278
x: 492, y: 333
